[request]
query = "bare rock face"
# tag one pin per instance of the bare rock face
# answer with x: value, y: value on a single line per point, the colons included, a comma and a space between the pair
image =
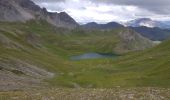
x: 62, y: 20
x: 24, y: 10
x: 132, y: 41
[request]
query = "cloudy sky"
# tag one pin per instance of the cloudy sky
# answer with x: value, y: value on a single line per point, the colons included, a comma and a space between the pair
x: 103, y: 11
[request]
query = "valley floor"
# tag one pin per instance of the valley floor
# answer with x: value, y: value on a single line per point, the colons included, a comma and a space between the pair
x: 89, y: 94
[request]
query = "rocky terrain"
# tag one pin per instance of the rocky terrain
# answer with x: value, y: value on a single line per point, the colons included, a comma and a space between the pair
x: 89, y: 94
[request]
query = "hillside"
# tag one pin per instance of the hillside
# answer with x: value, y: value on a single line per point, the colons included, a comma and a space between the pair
x: 149, y: 66
x: 46, y: 52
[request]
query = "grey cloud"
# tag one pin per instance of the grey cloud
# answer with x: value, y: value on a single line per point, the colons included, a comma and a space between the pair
x: 48, y: 1
x: 157, y: 6
x: 49, y: 4
x: 79, y: 10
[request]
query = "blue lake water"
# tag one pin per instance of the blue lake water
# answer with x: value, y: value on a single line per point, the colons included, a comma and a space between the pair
x: 92, y: 56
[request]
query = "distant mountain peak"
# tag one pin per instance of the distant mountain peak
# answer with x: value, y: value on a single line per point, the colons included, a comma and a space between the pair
x: 142, y: 22
x: 147, y: 22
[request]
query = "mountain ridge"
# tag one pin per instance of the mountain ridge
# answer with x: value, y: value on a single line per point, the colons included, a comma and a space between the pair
x: 154, y: 33
x: 94, y: 25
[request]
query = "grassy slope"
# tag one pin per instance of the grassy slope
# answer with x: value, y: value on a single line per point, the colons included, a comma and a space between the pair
x: 152, y: 65
x: 147, y: 68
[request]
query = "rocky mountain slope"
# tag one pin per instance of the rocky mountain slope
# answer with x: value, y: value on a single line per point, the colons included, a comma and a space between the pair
x: 25, y: 10
x: 132, y: 41
x: 15, y: 72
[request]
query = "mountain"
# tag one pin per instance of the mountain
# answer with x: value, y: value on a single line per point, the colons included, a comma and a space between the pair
x: 25, y: 10
x: 110, y: 25
x: 155, y: 34
x: 147, y: 22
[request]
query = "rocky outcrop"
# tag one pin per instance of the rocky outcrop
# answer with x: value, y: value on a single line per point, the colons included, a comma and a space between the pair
x: 25, y: 10
x: 132, y: 41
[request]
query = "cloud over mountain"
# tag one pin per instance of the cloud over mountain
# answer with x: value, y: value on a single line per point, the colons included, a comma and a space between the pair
x: 109, y: 10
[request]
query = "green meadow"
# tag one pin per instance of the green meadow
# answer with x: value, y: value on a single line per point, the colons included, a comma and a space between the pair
x: 41, y: 44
